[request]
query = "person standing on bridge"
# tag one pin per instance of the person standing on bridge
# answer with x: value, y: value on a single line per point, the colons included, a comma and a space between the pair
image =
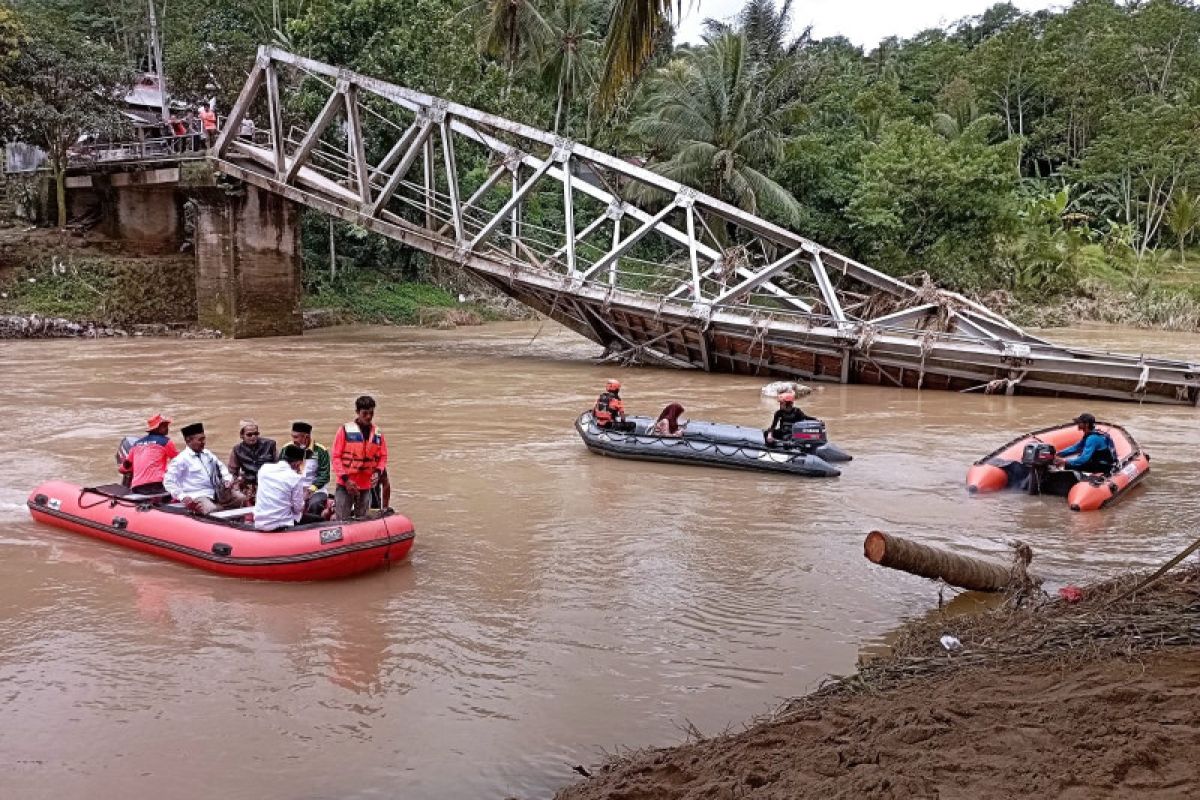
x: 359, y: 458
x: 208, y: 121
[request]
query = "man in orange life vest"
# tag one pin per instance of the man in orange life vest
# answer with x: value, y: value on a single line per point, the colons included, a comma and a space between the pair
x: 609, y: 411
x: 359, y: 457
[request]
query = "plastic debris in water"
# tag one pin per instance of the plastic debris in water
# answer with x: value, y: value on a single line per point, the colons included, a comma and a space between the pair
x: 951, y: 643
x: 1072, y: 594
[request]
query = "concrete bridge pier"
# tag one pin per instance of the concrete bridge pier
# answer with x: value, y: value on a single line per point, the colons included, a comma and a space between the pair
x: 248, y: 262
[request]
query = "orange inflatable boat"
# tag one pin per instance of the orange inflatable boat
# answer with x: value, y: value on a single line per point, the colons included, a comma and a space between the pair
x: 1025, y: 463
x: 223, y: 543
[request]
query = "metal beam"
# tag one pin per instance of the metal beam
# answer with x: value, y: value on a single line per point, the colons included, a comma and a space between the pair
x: 758, y: 278
x: 452, y: 177
x: 242, y: 105
x: 621, y: 249
x: 412, y: 151
x: 490, y: 226
x: 827, y: 291
x: 276, y: 121
x: 358, y: 146
x: 335, y: 102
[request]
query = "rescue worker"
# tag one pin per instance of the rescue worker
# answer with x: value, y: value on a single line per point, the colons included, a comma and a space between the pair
x: 249, y: 455
x: 149, y: 456
x: 358, y: 458
x: 1096, y: 451
x: 316, y: 468
x: 282, y: 493
x: 787, y: 416
x: 198, y: 479
x: 609, y: 411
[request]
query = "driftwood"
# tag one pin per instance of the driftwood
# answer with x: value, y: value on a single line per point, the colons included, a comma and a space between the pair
x: 965, y: 572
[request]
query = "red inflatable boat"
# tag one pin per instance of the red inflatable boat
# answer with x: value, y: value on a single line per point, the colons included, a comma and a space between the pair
x: 226, y: 545
x: 1011, y: 465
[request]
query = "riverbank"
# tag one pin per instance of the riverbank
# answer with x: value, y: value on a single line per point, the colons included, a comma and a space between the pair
x: 1093, y: 699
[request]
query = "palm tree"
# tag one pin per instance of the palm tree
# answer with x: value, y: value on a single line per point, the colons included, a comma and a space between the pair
x: 507, y: 30
x: 1183, y: 218
x: 722, y: 115
x: 633, y: 28
x: 573, y: 50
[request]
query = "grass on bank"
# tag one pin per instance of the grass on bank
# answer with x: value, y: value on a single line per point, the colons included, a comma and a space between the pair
x: 372, y: 297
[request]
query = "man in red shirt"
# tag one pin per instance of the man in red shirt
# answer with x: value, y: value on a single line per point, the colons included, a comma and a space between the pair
x: 149, y: 456
x: 359, y: 457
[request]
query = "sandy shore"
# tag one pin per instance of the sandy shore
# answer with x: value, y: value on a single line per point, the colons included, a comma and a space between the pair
x: 1098, y: 699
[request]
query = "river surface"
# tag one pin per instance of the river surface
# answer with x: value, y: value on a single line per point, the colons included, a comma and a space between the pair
x: 557, y: 604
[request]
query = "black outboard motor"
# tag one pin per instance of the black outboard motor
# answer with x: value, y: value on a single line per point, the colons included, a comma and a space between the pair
x: 808, y: 433
x: 1037, y: 457
x: 123, y: 453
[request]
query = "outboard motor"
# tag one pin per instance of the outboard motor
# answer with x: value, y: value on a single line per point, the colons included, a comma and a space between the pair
x: 1037, y: 457
x: 809, y: 433
x: 123, y: 453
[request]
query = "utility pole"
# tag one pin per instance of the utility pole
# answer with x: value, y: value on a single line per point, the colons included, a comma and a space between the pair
x: 156, y: 50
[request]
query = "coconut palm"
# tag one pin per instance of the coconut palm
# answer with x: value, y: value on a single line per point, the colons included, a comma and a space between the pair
x: 507, y: 30
x: 633, y: 28
x: 572, y: 53
x: 1183, y: 218
x: 721, y: 115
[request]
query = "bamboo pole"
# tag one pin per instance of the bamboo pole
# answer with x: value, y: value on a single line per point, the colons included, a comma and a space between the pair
x: 965, y: 572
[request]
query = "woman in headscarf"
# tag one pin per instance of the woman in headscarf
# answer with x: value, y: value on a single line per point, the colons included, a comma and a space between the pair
x: 668, y: 421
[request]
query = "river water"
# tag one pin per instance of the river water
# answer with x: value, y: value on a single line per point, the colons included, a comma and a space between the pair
x: 556, y: 605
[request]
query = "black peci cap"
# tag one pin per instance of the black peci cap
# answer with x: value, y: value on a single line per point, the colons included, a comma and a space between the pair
x: 292, y: 453
x: 192, y: 430
x: 301, y: 427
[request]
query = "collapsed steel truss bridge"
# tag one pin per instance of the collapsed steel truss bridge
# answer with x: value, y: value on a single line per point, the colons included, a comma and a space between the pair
x: 649, y: 268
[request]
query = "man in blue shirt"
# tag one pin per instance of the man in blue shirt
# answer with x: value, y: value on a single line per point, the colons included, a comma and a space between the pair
x: 1095, y: 452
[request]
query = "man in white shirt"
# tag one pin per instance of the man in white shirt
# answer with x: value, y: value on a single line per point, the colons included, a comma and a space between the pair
x: 282, y: 491
x: 198, y: 479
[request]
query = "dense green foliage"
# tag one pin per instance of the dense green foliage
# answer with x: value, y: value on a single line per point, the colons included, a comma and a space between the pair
x: 1027, y: 152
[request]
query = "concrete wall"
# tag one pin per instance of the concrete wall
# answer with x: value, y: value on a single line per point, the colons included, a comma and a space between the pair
x: 248, y: 263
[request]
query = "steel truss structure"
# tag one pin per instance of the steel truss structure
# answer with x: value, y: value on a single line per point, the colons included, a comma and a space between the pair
x: 651, y: 269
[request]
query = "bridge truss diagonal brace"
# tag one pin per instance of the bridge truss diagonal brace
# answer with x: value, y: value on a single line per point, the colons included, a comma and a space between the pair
x: 411, y: 143
x: 621, y: 249
x: 332, y: 106
x: 758, y: 278
x: 247, y: 96
x: 505, y: 210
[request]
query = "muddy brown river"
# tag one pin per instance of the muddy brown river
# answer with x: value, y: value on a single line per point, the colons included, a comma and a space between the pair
x: 556, y: 605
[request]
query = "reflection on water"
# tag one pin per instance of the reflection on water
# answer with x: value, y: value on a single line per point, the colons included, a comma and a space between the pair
x: 555, y: 603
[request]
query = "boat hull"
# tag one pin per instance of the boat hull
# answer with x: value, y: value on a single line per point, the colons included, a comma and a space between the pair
x: 998, y: 470
x: 304, y: 553
x: 708, y: 444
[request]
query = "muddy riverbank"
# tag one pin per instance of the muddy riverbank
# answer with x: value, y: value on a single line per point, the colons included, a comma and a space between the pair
x: 1095, y: 699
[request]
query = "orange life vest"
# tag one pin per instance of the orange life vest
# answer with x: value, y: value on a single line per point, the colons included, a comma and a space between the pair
x: 608, y: 406
x: 361, y: 455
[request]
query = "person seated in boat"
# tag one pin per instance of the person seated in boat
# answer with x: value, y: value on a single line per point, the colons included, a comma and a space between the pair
x: 316, y: 468
x: 359, y: 459
x: 1095, y: 452
x: 787, y: 416
x: 149, y: 456
x: 198, y: 479
x: 282, y: 496
x: 250, y: 454
x: 609, y: 411
x: 668, y: 423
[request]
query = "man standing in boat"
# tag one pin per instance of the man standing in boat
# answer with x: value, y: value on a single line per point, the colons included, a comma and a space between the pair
x: 316, y: 467
x: 198, y: 479
x: 149, y: 456
x: 359, y: 458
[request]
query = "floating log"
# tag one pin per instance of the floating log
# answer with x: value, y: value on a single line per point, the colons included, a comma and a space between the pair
x: 965, y: 572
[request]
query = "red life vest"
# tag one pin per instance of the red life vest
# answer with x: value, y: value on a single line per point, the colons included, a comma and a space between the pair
x: 608, y: 406
x: 361, y: 455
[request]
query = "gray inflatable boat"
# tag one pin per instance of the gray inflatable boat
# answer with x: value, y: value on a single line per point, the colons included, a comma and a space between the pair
x: 718, y: 445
